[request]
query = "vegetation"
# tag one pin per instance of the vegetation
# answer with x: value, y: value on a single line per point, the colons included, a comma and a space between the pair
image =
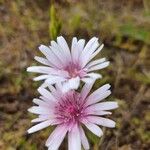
x: 124, y: 28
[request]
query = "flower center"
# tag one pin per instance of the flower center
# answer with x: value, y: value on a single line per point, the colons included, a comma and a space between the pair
x: 69, y: 109
x: 74, y: 70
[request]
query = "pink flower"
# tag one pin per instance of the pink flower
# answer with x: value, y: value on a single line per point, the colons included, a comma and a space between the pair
x: 69, y: 67
x: 69, y: 112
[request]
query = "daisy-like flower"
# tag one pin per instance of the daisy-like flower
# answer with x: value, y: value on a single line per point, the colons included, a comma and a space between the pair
x: 69, y: 66
x: 69, y: 112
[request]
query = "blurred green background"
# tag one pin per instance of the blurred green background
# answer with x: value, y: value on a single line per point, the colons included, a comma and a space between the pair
x: 122, y: 25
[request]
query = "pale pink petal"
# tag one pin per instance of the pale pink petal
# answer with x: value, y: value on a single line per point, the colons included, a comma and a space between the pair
x: 46, y: 94
x: 40, y: 119
x: 74, y: 139
x: 54, y: 79
x: 84, y: 139
x: 99, y: 94
x: 87, y: 80
x: 81, y: 44
x: 103, y: 106
x: 95, y: 62
x: 94, y: 128
x: 40, y: 126
x: 39, y: 102
x: 41, y: 77
x: 42, y: 60
x: 99, y: 66
x: 74, y: 50
x: 63, y: 44
x: 86, y: 89
x: 56, y: 137
x: 39, y: 110
x: 96, y: 52
x: 90, y: 47
x: 99, y: 112
x: 40, y: 69
x: 94, y: 75
x: 102, y: 121
x: 72, y: 83
x: 60, y: 52
x: 50, y: 56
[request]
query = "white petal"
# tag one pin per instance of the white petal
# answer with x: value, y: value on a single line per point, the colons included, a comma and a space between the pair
x: 90, y: 47
x: 95, y: 62
x: 94, y: 75
x: 99, y: 112
x: 41, y: 77
x: 60, y: 52
x: 46, y: 94
x: 39, y: 110
x: 54, y: 79
x: 42, y: 60
x: 102, y: 121
x: 81, y: 44
x: 71, y: 84
x: 50, y: 56
x: 39, y: 119
x: 63, y: 44
x: 74, y: 139
x: 38, y: 101
x: 40, y: 126
x: 88, y: 80
x: 99, y: 66
x: 96, y: 52
x: 74, y: 50
x: 103, y: 106
x: 84, y: 139
x: 39, y: 69
x: 99, y: 94
x: 56, y: 137
x: 94, y: 129
x: 86, y: 89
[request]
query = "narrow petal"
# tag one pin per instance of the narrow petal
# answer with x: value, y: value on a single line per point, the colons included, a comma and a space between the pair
x: 95, y: 62
x: 40, y: 69
x: 102, y: 121
x: 46, y: 94
x: 40, y: 119
x: 39, y: 102
x: 63, y: 44
x: 103, y: 106
x: 39, y: 110
x: 94, y: 129
x: 50, y: 56
x: 90, y: 47
x: 99, y: 112
x: 40, y: 126
x: 41, y: 77
x: 94, y: 75
x: 84, y: 139
x: 99, y: 66
x: 74, y: 49
x: 56, y: 137
x: 42, y: 60
x: 81, y: 44
x: 99, y: 94
x: 86, y: 89
x: 96, y: 52
x: 87, y: 80
x: 54, y: 79
x: 60, y: 52
x: 71, y: 84
x: 74, y: 139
